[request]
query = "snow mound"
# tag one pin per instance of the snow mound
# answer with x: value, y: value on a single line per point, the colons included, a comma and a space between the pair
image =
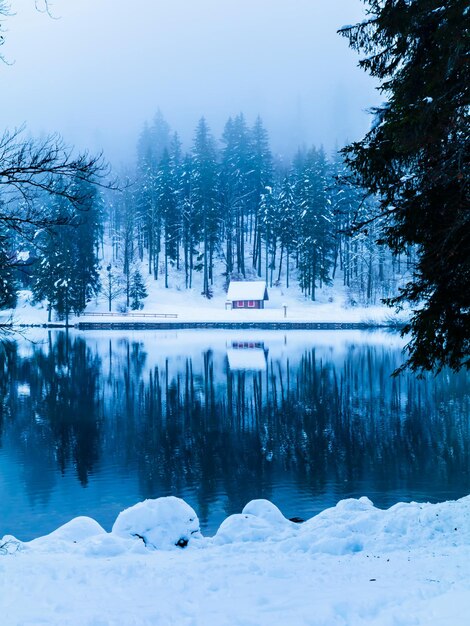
x: 352, y: 564
x: 357, y: 526
x: 161, y: 524
x: 352, y: 526
x: 9, y: 545
x: 111, y: 545
x: 76, y: 531
x: 266, y: 510
x: 243, y: 527
x: 260, y: 520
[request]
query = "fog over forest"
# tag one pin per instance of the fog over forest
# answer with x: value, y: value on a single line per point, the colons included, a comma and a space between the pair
x: 98, y: 70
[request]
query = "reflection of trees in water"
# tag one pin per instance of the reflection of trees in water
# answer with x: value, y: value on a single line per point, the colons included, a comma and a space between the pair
x: 311, y: 421
x: 8, y: 363
x: 69, y: 403
x: 199, y: 426
x: 59, y: 421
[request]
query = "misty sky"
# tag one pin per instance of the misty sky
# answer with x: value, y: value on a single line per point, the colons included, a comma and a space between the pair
x: 103, y: 67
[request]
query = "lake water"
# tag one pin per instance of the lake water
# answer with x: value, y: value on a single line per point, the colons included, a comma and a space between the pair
x: 93, y: 422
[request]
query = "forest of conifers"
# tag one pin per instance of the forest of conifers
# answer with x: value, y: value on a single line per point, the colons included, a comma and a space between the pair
x: 223, y: 210
x: 238, y: 207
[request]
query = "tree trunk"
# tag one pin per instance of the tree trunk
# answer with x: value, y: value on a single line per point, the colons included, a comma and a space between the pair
x: 287, y: 269
x: 280, y: 265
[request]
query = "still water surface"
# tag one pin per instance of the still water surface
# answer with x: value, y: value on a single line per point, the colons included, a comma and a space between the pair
x: 91, y: 423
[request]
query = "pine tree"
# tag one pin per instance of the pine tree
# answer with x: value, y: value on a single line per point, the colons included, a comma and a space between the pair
x: 345, y: 200
x: 67, y: 270
x: 174, y: 221
x: 154, y: 140
x: 87, y: 236
x: 152, y: 144
x: 138, y: 291
x: 206, y: 201
x: 53, y: 275
x: 416, y: 158
x: 128, y: 235
x: 169, y: 202
x: 263, y: 179
x: 191, y: 226
x: 316, y: 237
x: 237, y: 183
x: 268, y: 229
x: 228, y: 197
x: 7, y: 274
x: 287, y: 224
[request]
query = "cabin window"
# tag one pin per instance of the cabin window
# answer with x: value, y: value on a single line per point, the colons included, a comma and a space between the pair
x: 240, y: 304
x: 251, y: 304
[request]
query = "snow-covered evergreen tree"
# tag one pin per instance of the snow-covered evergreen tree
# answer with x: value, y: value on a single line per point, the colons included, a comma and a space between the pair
x: 238, y: 185
x: 268, y: 230
x: 206, y: 198
x: 138, y: 291
x: 54, y: 273
x: 7, y: 274
x: 263, y: 179
x: 416, y: 160
x: 287, y: 224
x: 316, y: 240
x: 86, y: 239
x: 67, y: 270
x: 153, y: 142
x: 154, y: 139
x: 169, y: 202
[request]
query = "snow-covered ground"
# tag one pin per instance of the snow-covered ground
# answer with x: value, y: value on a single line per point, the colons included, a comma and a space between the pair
x: 332, y: 306
x: 350, y: 565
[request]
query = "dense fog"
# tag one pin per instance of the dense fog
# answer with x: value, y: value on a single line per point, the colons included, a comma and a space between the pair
x: 96, y: 71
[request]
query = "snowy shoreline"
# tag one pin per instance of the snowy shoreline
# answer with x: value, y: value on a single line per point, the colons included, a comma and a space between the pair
x: 351, y: 564
x: 168, y: 309
x: 124, y: 324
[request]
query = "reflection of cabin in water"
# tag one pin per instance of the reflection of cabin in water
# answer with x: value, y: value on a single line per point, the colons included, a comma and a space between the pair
x: 247, y: 355
x: 247, y: 294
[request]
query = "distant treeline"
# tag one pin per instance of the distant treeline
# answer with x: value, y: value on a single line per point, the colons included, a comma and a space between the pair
x: 223, y: 210
x: 232, y: 205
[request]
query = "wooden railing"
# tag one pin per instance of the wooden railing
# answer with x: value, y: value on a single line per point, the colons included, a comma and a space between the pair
x: 104, y: 314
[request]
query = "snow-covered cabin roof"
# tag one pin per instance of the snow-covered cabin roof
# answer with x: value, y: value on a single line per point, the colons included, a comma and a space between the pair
x: 247, y: 290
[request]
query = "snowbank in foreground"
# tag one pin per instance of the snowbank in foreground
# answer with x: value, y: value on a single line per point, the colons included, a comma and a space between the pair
x: 351, y: 564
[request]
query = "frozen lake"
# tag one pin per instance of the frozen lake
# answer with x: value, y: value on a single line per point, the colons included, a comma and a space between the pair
x: 93, y: 422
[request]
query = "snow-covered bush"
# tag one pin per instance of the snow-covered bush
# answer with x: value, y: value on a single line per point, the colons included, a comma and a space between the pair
x: 161, y: 524
x: 9, y: 545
